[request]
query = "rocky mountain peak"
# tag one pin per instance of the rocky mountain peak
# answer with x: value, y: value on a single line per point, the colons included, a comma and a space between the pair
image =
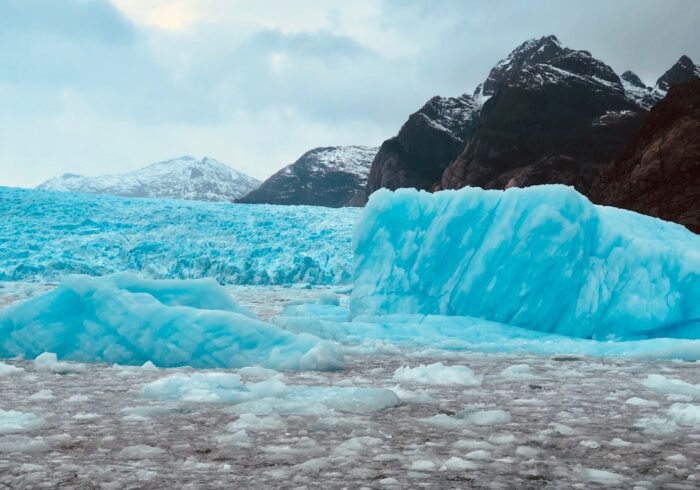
x: 633, y: 79
x: 684, y: 70
x: 546, y: 60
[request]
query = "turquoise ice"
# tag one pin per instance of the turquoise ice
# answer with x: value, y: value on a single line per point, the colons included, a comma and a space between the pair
x: 128, y: 320
x: 543, y: 258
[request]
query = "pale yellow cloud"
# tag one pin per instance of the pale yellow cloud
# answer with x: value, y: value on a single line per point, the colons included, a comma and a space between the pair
x: 168, y: 15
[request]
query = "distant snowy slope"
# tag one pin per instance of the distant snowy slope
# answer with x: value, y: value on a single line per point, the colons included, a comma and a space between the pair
x: 182, y: 178
x: 332, y: 176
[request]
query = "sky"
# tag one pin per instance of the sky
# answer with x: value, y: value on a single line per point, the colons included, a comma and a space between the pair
x: 106, y: 86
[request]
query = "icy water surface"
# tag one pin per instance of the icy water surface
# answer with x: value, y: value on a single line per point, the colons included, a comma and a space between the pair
x: 545, y: 422
x: 514, y: 422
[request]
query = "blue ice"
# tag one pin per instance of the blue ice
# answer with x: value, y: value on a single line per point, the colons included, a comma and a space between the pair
x: 128, y: 320
x: 543, y: 258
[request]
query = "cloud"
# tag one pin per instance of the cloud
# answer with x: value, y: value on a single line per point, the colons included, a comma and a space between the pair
x: 98, y: 86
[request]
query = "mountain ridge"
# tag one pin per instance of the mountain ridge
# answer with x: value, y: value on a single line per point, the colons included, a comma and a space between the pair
x: 185, y: 177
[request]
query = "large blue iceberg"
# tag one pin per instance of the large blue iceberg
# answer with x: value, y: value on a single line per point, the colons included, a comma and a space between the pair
x: 128, y: 320
x: 543, y: 258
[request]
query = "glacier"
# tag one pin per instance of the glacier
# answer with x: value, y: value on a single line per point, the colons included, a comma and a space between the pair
x: 128, y: 320
x: 46, y: 235
x: 543, y: 258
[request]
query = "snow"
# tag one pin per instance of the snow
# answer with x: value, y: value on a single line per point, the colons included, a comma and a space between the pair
x: 46, y: 235
x: 438, y: 374
x: 543, y: 258
x: 355, y: 160
x: 125, y: 319
x: 186, y: 177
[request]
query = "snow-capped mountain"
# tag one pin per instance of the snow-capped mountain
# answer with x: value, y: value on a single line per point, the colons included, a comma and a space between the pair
x: 684, y: 70
x: 546, y: 113
x: 427, y: 142
x: 332, y: 176
x: 181, y: 178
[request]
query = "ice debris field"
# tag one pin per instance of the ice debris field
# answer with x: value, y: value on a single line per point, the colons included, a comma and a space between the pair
x: 485, y: 338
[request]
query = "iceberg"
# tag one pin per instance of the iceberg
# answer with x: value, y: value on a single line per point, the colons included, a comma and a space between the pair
x: 125, y: 319
x: 544, y: 258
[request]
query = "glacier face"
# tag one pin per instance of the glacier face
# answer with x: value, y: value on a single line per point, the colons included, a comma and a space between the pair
x: 45, y: 235
x: 543, y: 258
x: 129, y: 320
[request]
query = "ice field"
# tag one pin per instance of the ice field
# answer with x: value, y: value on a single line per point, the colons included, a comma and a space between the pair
x: 511, y: 339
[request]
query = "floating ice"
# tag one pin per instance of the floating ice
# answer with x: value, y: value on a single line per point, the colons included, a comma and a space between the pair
x: 140, y: 451
x: 211, y: 388
x: 377, y: 334
x: 272, y: 396
x: 685, y: 414
x: 670, y: 386
x: 48, y: 362
x: 468, y: 417
x: 127, y: 320
x: 543, y: 257
x: 438, y: 374
x: 12, y: 421
x: 6, y: 369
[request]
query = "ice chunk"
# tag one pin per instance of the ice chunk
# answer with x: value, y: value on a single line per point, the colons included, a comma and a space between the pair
x: 267, y: 397
x: 543, y: 257
x: 12, y: 421
x: 211, y: 388
x: 603, y: 477
x: 641, y: 402
x: 48, y: 362
x: 6, y: 369
x: 469, y: 417
x: 685, y: 414
x: 669, y: 386
x: 127, y: 320
x: 140, y: 451
x: 438, y: 374
x: 518, y: 372
x: 317, y: 400
x: 251, y: 422
x: 458, y: 464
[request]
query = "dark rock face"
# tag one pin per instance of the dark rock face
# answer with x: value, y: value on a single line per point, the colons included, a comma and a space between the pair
x: 330, y: 176
x: 683, y: 71
x: 430, y: 139
x: 633, y: 79
x: 556, y: 116
x: 659, y: 171
x: 545, y: 114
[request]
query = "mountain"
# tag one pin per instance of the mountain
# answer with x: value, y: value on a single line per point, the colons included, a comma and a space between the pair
x: 659, y: 171
x: 431, y: 138
x: 332, y: 176
x: 683, y: 71
x: 181, y: 178
x: 545, y: 114
x: 555, y: 115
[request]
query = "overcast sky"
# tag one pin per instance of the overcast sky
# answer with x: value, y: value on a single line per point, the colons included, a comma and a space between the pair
x: 100, y: 86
